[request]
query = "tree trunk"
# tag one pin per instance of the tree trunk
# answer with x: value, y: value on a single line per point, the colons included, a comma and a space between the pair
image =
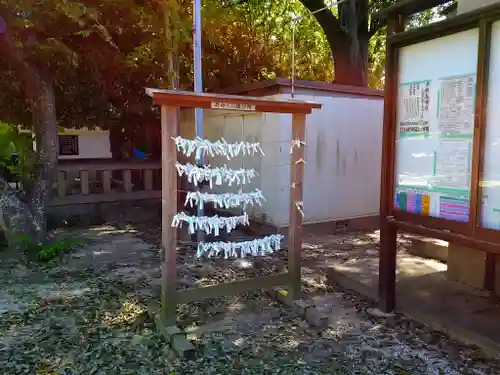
x: 349, y: 66
x: 18, y: 218
x: 352, y: 58
x: 348, y: 38
x: 42, y: 103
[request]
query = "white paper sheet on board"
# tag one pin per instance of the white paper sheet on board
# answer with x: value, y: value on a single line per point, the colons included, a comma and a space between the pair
x: 453, y: 164
x: 456, y: 105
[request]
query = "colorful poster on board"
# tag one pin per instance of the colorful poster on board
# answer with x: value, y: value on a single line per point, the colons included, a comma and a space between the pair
x: 450, y: 204
x: 413, y: 106
x: 454, y: 208
x: 413, y: 200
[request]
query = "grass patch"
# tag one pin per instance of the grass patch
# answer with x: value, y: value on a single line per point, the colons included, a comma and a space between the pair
x: 48, y: 251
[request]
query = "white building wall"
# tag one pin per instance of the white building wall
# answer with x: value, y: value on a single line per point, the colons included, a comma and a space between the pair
x: 91, y: 145
x: 343, y: 155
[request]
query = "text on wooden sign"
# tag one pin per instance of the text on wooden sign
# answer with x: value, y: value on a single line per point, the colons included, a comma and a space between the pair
x: 233, y: 106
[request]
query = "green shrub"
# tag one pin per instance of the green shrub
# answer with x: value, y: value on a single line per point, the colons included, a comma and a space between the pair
x: 13, y: 141
x: 48, y: 251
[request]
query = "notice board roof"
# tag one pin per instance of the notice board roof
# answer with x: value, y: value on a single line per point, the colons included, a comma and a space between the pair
x: 189, y: 99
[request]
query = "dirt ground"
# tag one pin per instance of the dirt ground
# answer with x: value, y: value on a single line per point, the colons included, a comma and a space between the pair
x: 86, y: 314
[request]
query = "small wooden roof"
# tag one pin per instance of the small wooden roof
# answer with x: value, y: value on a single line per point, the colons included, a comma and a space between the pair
x: 272, y: 86
x: 188, y: 99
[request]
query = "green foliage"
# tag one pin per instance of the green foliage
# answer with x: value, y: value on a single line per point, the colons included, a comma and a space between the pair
x: 266, y: 27
x: 101, y: 55
x: 12, y: 140
x: 46, y: 252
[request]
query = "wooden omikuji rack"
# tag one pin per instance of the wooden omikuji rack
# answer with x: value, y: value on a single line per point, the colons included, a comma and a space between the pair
x: 471, y: 233
x: 170, y: 101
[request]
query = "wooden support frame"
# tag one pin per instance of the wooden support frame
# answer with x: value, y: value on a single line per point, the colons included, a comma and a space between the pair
x: 170, y: 101
x: 469, y: 234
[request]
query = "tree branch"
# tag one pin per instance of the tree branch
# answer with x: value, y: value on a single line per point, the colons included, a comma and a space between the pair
x: 8, y: 50
x: 374, y: 27
x: 328, y: 22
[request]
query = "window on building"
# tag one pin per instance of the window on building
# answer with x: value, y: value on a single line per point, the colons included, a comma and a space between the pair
x: 68, y: 145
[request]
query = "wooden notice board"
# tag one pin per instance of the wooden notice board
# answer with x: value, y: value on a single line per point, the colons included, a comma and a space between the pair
x: 440, y: 169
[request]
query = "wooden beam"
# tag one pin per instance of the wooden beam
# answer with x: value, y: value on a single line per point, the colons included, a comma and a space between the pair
x: 73, y: 199
x: 107, y: 166
x: 388, y: 233
x: 459, y: 239
x: 296, y: 192
x: 489, y: 272
x: 232, y: 288
x: 406, y: 8
x: 169, y: 209
x: 188, y: 99
x: 387, y: 267
x: 483, y: 76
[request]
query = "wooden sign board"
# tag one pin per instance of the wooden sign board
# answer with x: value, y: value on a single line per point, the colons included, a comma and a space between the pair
x: 233, y: 106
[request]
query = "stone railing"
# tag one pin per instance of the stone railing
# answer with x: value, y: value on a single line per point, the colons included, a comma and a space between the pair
x: 83, y: 182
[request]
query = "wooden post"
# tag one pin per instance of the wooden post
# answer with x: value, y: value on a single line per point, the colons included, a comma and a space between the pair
x: 169, y: 209
x: 489, y: 272
x: 148, y: 180
x: 61, y: 183
x: 127, y: 180
x: 106, y: 181
x: 388, y: 233
x: 387, y: 267
x: 483, y: 74
x: 84, y: 182
x: 295, y: 221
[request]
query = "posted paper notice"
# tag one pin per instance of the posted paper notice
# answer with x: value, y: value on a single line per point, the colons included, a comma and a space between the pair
x: 413, y: 109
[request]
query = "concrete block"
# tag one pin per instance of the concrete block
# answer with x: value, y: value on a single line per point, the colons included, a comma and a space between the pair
x: 300, y: 307
x: 315, y: 318
x: 429, y: 248
x: 182, y: 347
x: 466, y: 265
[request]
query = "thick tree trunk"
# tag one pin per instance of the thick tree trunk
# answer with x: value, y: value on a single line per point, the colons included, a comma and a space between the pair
x: 42, y: 103
x: 348, y: 38
x: 351, y: 61
x: 350, y: 67
x: 18, y: 218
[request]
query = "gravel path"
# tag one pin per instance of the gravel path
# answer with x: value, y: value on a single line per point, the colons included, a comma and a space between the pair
x: 86, y: 315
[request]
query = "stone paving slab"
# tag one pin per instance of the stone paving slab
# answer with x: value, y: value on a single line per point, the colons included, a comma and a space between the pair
x: 423, y: 291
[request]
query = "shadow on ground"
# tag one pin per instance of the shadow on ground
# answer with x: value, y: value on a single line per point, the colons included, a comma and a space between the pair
x: 87, y: 315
